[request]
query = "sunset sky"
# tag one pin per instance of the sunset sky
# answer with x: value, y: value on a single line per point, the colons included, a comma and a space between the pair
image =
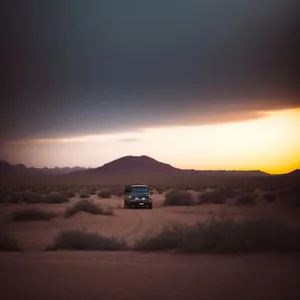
x: 196, y: 84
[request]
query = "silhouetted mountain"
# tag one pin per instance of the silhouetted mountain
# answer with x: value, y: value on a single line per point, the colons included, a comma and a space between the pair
x: 126, y: 169
x: 7, y: 167
x: 146, y: 169
x: 16, y: 173
x: 295, y: 173
x: 60, y: 171
x: 136, y: 164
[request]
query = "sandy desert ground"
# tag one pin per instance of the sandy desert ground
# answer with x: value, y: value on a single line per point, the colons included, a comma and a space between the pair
x: 127, y: 275
x: 132, y: 275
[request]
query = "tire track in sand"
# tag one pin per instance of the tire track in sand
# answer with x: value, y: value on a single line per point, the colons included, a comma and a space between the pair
x: 147, y: 222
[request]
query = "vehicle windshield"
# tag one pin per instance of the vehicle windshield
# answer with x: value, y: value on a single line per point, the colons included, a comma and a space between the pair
x: 139, y: 189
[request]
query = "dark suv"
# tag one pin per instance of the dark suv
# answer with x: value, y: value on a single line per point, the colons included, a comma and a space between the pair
x: 137, y: 195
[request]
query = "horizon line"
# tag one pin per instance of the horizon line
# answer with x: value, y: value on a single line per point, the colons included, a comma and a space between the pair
x: 181, y: 169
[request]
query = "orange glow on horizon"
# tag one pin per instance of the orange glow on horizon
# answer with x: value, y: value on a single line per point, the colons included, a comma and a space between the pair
x: 270, y: 144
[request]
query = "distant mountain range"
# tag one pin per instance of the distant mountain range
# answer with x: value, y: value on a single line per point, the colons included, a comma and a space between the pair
x: 123, y: 170
x: 51, y: 171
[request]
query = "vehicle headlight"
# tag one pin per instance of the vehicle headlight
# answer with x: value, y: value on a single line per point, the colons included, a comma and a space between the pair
x: 129, y: 197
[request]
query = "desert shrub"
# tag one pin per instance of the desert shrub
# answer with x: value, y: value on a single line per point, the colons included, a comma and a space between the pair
x: 32, y: 214
x: 89, y: 190
x: 169, y: 238
x: 27, y: 197
x: 182, y: 187
x: 93, y: 191
x: 160, y: 189
x: 4, y: 196
x: 38, y: 190
x: 178, y: 198
x: 196, y: 189
x: 84, y: 195
x: 290, y: 197
x: 88, y: 207
x: 68, y: 194
x: 56, y: 198
x: 117, y: 191
x: 83, y: 240
x: 246, y: 198
x: 9, y: 243
x: 216, y: 196
x: 104, y: 194
x: 270, y: 196
x: 224, y: 236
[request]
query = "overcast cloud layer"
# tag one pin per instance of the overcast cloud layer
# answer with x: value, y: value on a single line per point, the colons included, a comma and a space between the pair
x: 86, y: 67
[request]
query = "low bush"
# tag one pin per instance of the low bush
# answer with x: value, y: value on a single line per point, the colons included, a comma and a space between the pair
x: 224, y: 236
x: 160, y: 189
x: 27, y: 197
x: 216, y: 196
x: 104, y: 194
x: 9, y: 243
x: 32, y: 214
x: 246, y: 198
x: 83, y: 240
x: 68, y: 194
x: 84, y: 195
x: 88, y: 207
x: 290, y: 197
x: 178, y: 198
x: 55, y: 198
x: 270, y: 196
x: 117, y: 191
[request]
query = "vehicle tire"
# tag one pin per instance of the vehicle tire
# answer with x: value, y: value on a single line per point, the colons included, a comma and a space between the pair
x: 150, y: 206
x: 128, y: 205
x: 125, y: 204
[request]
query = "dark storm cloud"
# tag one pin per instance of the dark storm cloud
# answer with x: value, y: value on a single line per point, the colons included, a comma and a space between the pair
x: 76, y: 67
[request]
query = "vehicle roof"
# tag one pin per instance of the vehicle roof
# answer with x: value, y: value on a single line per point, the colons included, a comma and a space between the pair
x: 143, y: 185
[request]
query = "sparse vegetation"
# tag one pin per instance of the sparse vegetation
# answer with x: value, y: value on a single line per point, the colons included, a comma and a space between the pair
x: 27, y: 197
x: 83, y: 240
x: 31, y: 197
x: 168, y: 239
x: 9, y: 243
x: 84, y: 195
x: 224, y: 236
x: 216, y: 196
x: 104, y: 194
x: 178, y: 198
x: 117, y: 191
x: 290, y: 197
x: 160, y: 189
x: 69, y: 194
x: 270, y: 196
x: 4, y: 196
x: 92, y: 191
x: 88, y: 207
x: 246, y: 198
x: 56, y: 198
x: 32, y: 214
